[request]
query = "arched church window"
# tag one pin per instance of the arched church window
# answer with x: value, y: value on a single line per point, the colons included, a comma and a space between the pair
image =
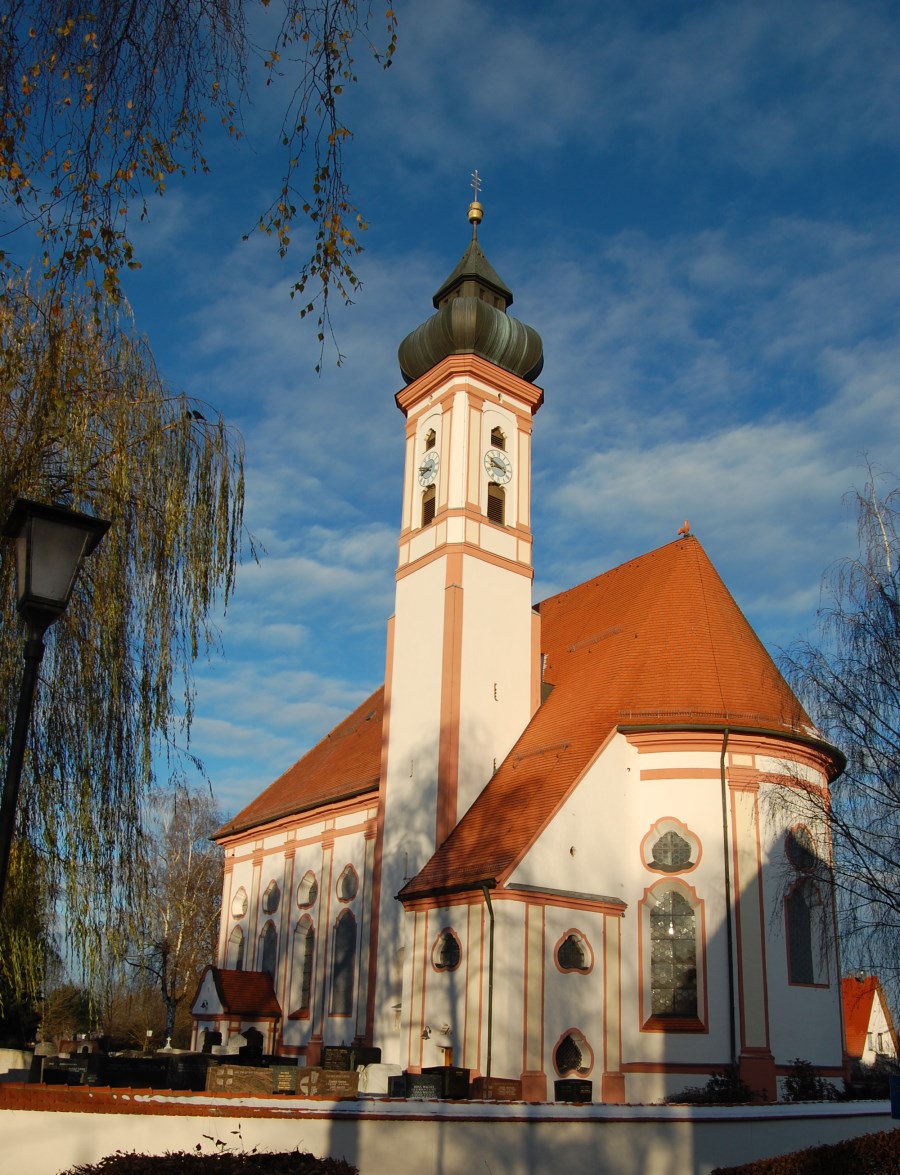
x: 430, y: 440
x: 271, y: 898
x: 496, y: 504
x: 673, y: 956
x: 573, y: 1056
x: 801, y: 848
x: 268, y: 948
x: 343, y: 965
x: 573, y: 953
x: 498, y: 440
x: 307, y: 890
x: 429, y: 502
x: 234, y: 958
x: 239, y: 903
x: 446, y: 954
x: 347, y: 884
x: 673, y: 984
x: 805, y: 918
x: 302, y: 969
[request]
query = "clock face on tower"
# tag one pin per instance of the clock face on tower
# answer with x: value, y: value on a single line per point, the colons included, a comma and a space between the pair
x: 428, y: 468
x: 498, y: 466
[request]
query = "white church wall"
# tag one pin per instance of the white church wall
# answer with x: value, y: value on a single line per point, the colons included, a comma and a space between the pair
x: 507, y: 1029
x: 418, y: 655
x: 238, y: 885
x: 495, y: 686
x: 573, y: 999
x: 348, y: 864
x: 805, y: 1017
x: 649, y: 793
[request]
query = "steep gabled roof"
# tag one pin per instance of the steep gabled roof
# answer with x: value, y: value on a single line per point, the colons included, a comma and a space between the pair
x: 859, y: 996
x: 243, y: 993
x: 658, y: 641
x: 344, y: 765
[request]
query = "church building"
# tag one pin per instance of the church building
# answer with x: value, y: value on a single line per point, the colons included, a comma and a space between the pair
x: 553, y: 843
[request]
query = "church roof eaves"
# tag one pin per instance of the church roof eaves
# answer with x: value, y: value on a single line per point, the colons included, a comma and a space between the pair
x: 342, y: 766
x: 673, y: 642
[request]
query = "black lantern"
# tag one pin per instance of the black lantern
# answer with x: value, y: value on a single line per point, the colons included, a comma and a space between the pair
x: 51, y: 544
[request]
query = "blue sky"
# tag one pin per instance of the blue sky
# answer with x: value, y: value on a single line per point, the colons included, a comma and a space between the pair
x: 693, y: 203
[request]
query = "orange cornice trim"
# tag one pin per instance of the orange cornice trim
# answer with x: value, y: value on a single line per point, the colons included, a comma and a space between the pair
x: 295, y: 820
x: 700, y: 736
x: 474, y: 897
x: 652, y: 773
x: 450, y: 549
x: 472, y: 512
x: 469, y: 367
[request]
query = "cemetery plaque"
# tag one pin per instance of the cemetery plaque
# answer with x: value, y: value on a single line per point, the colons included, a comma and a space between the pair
x: 239, y: 1079
x: 327, y: 1083
x: 573, y: 1090
x: 337, y: 1057
x: 497, y: 1089
x: 424, y: 1086
x: 454, y: 1081
x: 284, y: 1078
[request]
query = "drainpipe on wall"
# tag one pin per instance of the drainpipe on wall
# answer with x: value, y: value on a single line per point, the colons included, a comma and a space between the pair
x: 729, y: 908
x: 490, y: 1012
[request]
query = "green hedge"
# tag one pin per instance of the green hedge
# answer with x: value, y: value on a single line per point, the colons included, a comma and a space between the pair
x: 871, y: 1154
x: 220, y: 1163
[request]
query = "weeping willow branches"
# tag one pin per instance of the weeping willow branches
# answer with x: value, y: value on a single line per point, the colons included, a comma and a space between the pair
x: 86, y: 420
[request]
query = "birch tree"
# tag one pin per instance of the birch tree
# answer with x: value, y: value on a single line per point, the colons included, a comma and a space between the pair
x: 178, y: 917
x: 849, y: 679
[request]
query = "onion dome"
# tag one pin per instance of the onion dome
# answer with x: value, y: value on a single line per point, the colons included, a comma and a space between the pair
x: 471, y: 319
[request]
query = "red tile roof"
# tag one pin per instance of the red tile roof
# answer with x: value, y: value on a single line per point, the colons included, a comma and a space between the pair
x: 246, y: 993
x: 859, y: 996
x: 345, y: 764
x: 658, y: 641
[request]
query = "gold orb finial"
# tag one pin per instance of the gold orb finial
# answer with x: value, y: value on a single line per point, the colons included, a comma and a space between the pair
x: 476, y: 212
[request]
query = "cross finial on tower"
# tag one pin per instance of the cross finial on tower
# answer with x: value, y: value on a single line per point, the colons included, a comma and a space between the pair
x: 476, y: 212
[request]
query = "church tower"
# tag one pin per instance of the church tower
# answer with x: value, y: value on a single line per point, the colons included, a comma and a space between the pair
x: 463, y: 658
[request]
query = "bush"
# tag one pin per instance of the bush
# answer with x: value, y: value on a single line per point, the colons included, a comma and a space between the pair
x: 726, y: 1088
x: 803, y: 1084
x: 871, y: 1082
x: 223, y: 1162
x: 872, y: 1154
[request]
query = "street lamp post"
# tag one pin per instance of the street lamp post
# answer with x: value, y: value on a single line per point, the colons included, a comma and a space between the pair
x: 51, y: 544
